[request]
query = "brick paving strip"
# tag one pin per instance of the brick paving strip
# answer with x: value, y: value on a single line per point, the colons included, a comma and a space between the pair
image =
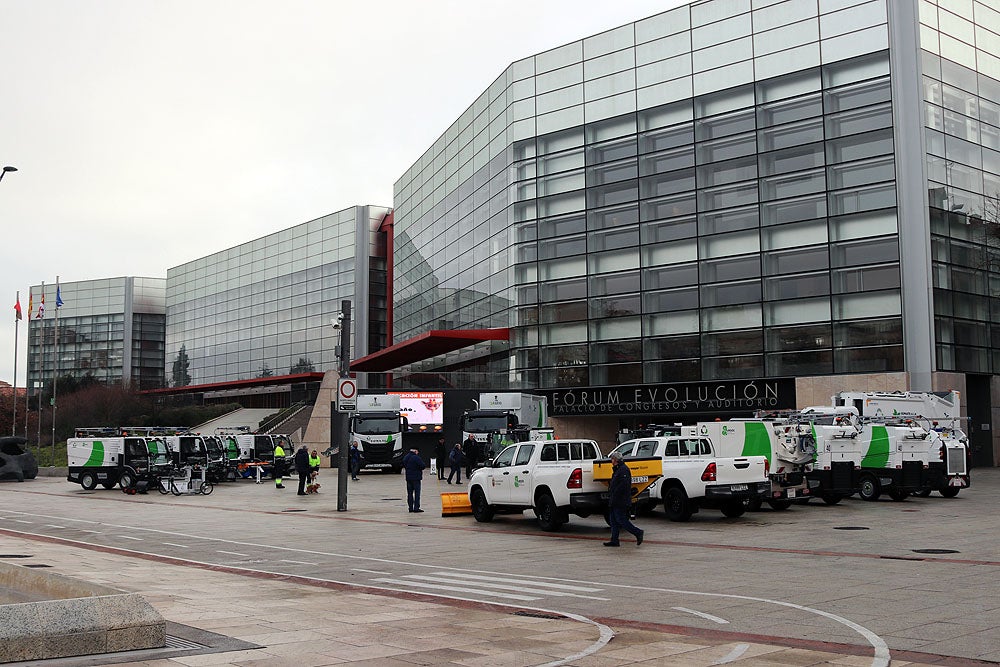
x: 310, y: 622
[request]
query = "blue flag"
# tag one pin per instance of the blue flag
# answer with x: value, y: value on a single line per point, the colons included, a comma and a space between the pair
x: 59, y: 301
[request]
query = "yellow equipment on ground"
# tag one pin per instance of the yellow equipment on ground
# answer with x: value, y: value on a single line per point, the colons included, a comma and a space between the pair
x: 455, y: 504
x: 645, y: 471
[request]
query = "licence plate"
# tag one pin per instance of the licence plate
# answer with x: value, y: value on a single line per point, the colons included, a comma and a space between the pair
x: 792, y: 493
x: 641, y: 479
x: 738, y: 487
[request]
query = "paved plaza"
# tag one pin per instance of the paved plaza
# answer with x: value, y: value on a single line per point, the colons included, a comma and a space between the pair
x: 254, y: 575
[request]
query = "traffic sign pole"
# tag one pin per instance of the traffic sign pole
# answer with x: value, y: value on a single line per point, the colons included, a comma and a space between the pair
x: 343, y: 419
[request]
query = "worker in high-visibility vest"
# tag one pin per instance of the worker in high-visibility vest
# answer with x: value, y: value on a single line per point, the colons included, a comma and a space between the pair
x: 279, y: 465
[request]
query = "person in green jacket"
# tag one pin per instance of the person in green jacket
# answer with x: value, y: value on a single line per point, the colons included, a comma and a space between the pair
x: 279, y: 465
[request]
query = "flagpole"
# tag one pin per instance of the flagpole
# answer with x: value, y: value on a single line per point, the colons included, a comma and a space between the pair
x: 17, y: 322
x: 55, y: 374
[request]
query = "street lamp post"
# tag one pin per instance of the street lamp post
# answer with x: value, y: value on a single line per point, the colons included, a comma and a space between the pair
x: 5, y: 170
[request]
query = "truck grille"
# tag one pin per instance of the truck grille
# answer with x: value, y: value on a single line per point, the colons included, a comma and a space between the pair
x: 956, y: 461
x: 378, y: 452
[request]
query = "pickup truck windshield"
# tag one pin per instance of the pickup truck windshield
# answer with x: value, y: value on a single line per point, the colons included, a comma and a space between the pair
x: 376, y: 425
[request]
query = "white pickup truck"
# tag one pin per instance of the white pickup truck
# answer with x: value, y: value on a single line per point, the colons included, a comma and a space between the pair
x: 695, y: 478
x: 555, y: 478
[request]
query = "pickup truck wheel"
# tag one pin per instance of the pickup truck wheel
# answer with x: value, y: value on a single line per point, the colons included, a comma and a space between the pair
x: 88, y: 481
x: 949, y: 491
x: 870, y: 489
x: 734, y: 508
x: 831, y: 498
x: 780, y: 505
x: 482, y: 511
x: 898, y: 495
x: 549, y: 516
x: 676, y: 504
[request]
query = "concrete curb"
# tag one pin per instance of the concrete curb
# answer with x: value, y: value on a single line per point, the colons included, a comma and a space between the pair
x: 78, y: 619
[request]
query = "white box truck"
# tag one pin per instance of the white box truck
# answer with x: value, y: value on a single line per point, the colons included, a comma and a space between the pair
x: 502, y: 418
x: 377, y: 429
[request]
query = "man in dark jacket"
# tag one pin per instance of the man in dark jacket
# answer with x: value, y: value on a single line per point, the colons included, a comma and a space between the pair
x: 414, y: 467
x: 470, y: 448
x: 619, y: 501
x: 303, y: 468
x: 440, y: 454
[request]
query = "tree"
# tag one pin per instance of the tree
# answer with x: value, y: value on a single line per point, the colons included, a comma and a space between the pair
x: 265, y: 371
x: 180, y: 372
x: 302, y: 366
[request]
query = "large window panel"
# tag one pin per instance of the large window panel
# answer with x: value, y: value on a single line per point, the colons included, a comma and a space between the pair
x: 792, y: 134
x: 614, y: 193
x: 667, y: 301
x: 673, y: 114
x: 854, y: 43
x: 688, y: 370
x: 660, y: 185
x: 783, y: 313
x: 565, y: 377
x: 725, y: 368
x: 785, y: 37
x: 668, y: 230
x: 798, y: 158
x: 556, y: 334
x: 563, y: 247
x: 617, y: 352
x: 553, y: 164
x: 563, y: 289
x: 861, y: 199
x: 796, y: 286
x: 611, y: 151
x: 721, y: 55
x: 731, y: 268
x: 615, y: 306
x: 560, y: 183
x: 615, y: 328
x: 813, y: 362
x: 732, y: 342
x: 726, y: 245
x: 670, y: 276
x: 727, y: 148
x: 567, y: 311
x: 613, y: 217
x: 727, y: 294
x: 866, y: 305
x: 615, y: 260
x: 567, y: 267
x: 867, y: 251
x: 728, y: 195
x: 667, y: 324
x: 860, y: 120
x: 615, y: 283
x: 863, y: 225
x: 671, y: 160
x: 724, y: 125
x: 667, y: 138
x: 721, y: 173
x: 786, y: 339
x: 797, y: 260
x: 854, y: 174
x: 872, y: 332
x: 792, y: 185
x: 677, y: 252
x: 869, y: 359
x: 563, y: 355
x: 730, y: 220
x: 731, y: 317
x: 860, y: 146
x: 810, y: 207
x: 561, y: 226
x: 674, y: 347
x: 668, y: 207
x: 776, y: 14
x: 615, y: 238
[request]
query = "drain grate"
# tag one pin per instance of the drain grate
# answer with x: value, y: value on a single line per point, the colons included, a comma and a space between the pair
x: 850, y: 528
x: 535, y: 614
x: 935, y: 551
x: 178, y: 642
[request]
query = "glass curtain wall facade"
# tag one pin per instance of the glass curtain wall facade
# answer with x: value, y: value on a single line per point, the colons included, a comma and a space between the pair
x: 264, y: 307
x: 110, y: 330
x: 706, y: 194
x: 961, y: 95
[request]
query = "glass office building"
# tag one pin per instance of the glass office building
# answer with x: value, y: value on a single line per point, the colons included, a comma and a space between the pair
x: 734, y: 190
x: 263, y: 308
x: 111, y: 330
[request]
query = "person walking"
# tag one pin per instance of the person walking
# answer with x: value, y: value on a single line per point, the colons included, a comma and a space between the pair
x: 470, y: 450
x: 455, y: 459
x: 354, y: 461
x: 302, y: 468
x: 619, y: 501
x: 440, y: 454
x: 414, y: 467
x: 278, y: 467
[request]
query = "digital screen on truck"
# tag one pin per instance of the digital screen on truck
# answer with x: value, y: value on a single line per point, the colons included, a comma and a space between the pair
x: 422, y: 409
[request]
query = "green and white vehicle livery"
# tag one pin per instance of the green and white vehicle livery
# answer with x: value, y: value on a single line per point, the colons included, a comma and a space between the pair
x: 111, y: 457
x: 505, y: 418
x: 377, y: 429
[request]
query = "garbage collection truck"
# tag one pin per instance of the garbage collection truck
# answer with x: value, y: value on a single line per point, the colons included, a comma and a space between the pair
x: 500, y: 419
x: 377, y: 429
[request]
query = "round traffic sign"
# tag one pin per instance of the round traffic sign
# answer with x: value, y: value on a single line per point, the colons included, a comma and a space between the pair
x: 347, y: 389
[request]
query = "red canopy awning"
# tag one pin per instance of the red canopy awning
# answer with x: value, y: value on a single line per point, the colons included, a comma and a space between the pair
x: 424, y: 346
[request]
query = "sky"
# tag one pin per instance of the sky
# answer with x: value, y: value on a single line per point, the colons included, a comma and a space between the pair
x: 148, y: 133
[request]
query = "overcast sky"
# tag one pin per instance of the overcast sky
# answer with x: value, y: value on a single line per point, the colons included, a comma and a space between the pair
x: 148, y: 133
